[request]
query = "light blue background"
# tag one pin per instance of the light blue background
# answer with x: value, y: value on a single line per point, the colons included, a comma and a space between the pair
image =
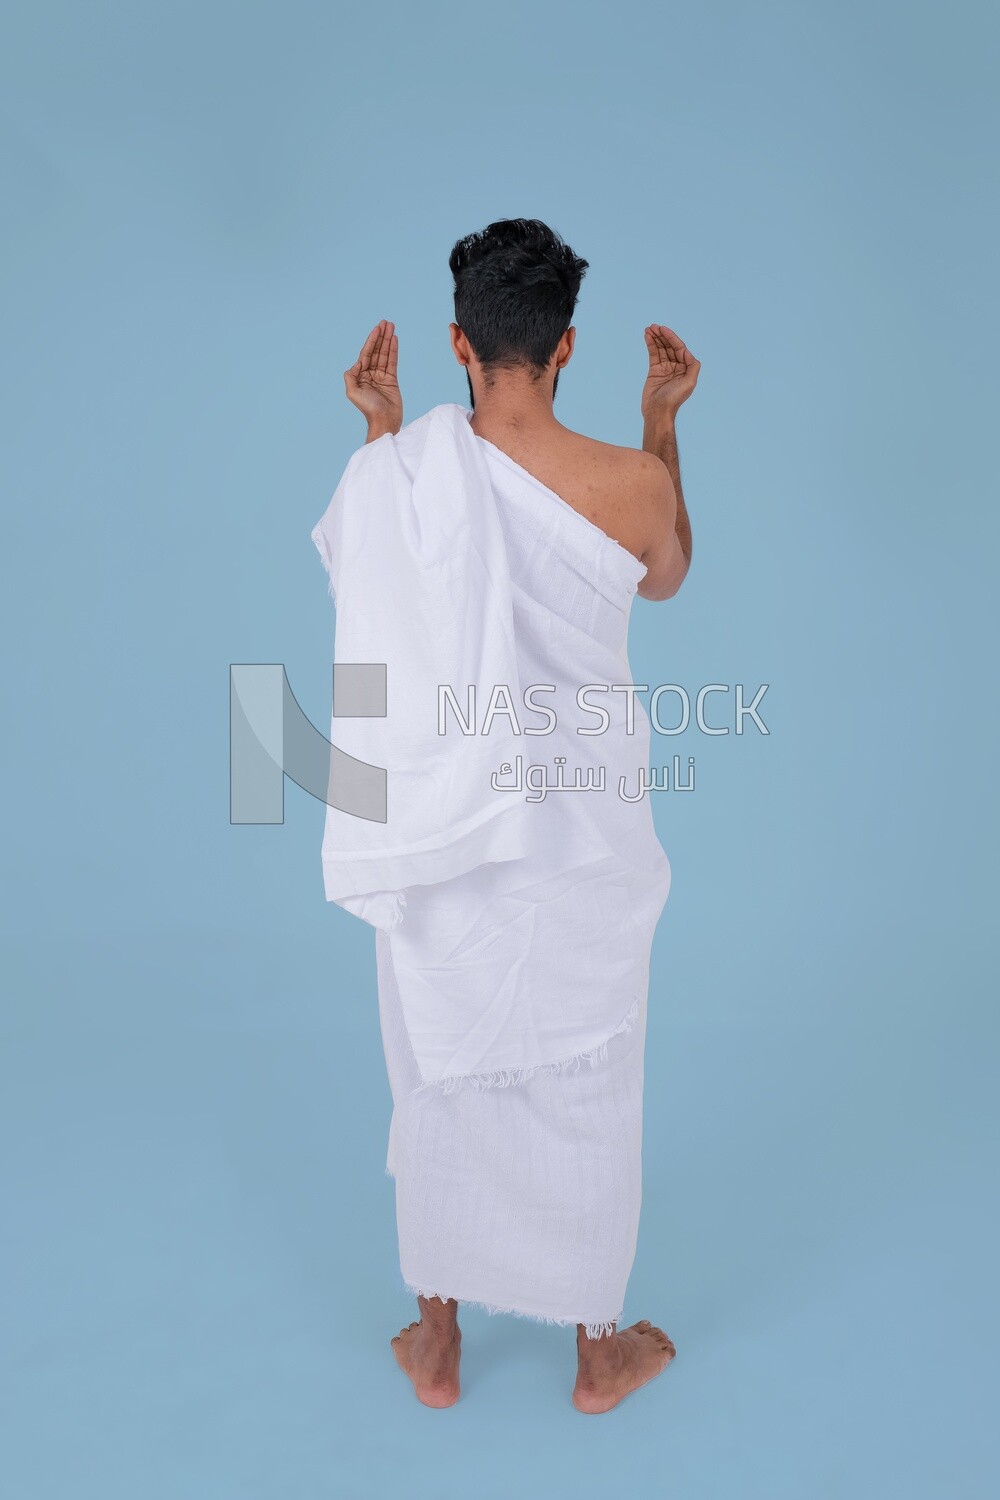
x: 208, y: 206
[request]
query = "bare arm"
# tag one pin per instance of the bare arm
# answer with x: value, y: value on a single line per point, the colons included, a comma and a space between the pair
x: 673, y: 374
x: 660, y: 437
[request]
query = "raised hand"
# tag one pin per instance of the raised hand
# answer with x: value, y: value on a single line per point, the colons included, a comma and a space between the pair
x: 673, y: 373
x: 371, y: 383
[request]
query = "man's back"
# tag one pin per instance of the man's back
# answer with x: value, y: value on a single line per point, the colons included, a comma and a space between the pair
x: 627, y: 492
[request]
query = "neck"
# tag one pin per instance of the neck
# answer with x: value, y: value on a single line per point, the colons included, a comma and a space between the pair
x: 512, y: 402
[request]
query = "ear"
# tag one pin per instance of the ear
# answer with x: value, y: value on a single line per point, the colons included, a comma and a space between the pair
x: 459, y: 344
x: 564, y: 348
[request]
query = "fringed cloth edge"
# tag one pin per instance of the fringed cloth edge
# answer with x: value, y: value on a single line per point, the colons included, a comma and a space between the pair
x: 501, y: 1078
x: 591, y: 1330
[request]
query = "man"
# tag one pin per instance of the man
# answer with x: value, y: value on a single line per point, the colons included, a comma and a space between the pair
x: 513, y: 993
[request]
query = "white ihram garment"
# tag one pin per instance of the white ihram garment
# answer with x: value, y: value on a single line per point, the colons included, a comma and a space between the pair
x: 513, y: 963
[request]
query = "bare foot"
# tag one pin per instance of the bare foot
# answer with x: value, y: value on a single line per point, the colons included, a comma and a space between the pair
x: 611, y: 1368
x: 429, y: 1352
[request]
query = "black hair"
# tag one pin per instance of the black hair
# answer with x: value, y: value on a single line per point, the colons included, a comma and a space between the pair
x: 516, y: 285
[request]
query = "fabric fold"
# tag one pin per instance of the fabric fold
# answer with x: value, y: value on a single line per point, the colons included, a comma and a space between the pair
x: 513, y: 972
x: 413, y: 546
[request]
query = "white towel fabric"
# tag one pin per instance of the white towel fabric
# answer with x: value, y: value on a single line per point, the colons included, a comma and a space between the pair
x: 418, y: 570
x: 520, y: 1200
x: 514, y: 934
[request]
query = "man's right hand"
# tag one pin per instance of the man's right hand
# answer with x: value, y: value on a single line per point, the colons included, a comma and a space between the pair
x: 371, y: 383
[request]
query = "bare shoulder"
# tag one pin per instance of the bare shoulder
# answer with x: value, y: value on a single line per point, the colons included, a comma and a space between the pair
x: 649, y: 474
x: 632, y: 468
x: 630, y: 494
x: 632, y: 486
x: 624, y: 491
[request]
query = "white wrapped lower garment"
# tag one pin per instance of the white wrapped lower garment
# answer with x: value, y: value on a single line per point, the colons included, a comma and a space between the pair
x: 513, y: 992
x: 522, y: 1199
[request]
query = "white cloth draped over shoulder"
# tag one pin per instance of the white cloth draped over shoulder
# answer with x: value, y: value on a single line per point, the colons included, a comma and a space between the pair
x: 519, y: 928
x: 514, y: 930
x: 418, y: 570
